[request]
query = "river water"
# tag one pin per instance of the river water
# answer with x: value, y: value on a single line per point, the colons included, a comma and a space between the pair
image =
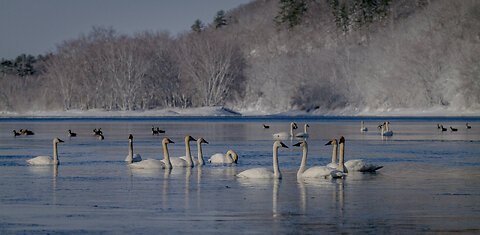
x: 430, y: 181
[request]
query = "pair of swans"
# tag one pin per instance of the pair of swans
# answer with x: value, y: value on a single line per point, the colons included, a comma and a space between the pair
x: 293, y: 126
x: 47, y: 160
x: 386, y: 130
x: 358, y: 165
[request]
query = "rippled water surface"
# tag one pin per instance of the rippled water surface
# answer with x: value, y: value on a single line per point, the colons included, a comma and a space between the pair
x: 430, y: 181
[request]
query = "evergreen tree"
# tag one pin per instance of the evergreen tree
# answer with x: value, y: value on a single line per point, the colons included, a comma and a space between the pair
x: 291, y: 12
x: 198, y: 26
x: 219, y: 19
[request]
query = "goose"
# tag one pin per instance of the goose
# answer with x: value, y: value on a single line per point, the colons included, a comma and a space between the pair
x: 229, y: 158
x: 363, y: 128
x: 154, y: 163
x: 15, y: 133
x: 264, y: 173
x: 199, y: 160
x: 316, y: 171
x: 284, y: 135
x: 47, y: 160
x: 100, y: 137
x: 26, y: 132
x: 386, y: 131
x: 467, y: 126
x: 71, y: 134
x: 132, y: 157
x: 304, y: 134
x: 186, y: 161
x: 453, y: 129
x: 356, y: 164
x: 265, y: 126
x: 443, y: 128
x: 160, y: 131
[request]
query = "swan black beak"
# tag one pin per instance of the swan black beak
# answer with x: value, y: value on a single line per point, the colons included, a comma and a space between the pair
x: 59, y: 140
x: 297, y: 144
x: 329, y: 143
x: 283, y: 145
x: 204, y: 141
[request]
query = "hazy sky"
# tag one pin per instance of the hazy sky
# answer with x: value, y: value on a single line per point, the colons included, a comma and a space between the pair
x: 37, y: 26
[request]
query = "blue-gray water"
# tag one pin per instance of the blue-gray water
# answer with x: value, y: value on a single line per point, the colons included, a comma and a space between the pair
x: 430, y: 181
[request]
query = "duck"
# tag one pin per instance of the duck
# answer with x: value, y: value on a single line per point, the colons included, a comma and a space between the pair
x: 132, y: 157
x: 453, y: 129
x: 438, y: 126
x: 199, y: 161
x: 47, y: 160
x: 264, y: 173
x: 219, y: 158
x: 97, y: 132
x: 443, y: 128
x: 186, y: 161
x: 71, y: 134
x: 26, y: 132
x: 100, y: 137
x: 154, y: 132
x: 358, y: 165
x: 284, y: 135
x: 305, y: 133
x: 467, y: 126
x: 265, y: 126
x: 154, y: 163
x: 160, y: 131
x: 316, y: 171
x: 15, y: 133
x: 363, y: 128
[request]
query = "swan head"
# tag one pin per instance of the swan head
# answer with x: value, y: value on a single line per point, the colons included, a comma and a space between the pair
x: 234, y: 155
x: 57, y: 140
x: 293, y: 125
x: 202, y: 140
x: 341, y: 140
x: 306, y: 125
x: 279, y: 144
x: 302, y: 143
x: 332, y: 142
x: 130, y: 137
x: 189, y: 138
x: 167, y: 141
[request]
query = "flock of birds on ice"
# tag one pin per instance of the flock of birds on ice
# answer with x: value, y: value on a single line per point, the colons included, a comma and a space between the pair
x: 336, y: 169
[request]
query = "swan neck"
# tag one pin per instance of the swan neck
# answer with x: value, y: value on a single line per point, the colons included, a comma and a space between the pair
x: 303, y: 165
x: 291, y: 129
x: 188, y: 154
x: 200, y: 154
x: 55, y: 154
x: 276, y: 168
x: 130, y: 152
x: 341, y: 167
x: 305, y: 129
x: 334, y: 153
x: 166, y: 156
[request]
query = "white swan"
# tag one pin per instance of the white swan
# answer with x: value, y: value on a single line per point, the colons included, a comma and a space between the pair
x: 47, y: 160
x: 386, y: 130
x: 356, y: 164
x: 199, y: 160
x: 304, y: 134
x: 363, y: 128
x: 187, y: 160
x: 132, y: 157
x: 264, y: 173
x: 154, y: 163
x: 316, y: 171
x: 284, y: 135
x: 334, y: 163
x: 219, y: 158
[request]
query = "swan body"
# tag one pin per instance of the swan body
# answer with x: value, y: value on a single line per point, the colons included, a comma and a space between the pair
x: 467, y: 126
x: 199, y: 160
x: 284, y: 135
x: 305, y: 133
x: 316, y: 171
x: 386, y: 130
x: 219, y: 158
x: 363, y: 128
x: 264, y: 173
x: 47, y: 160
x: 131, y: 157
x: 154, y: 163
x: 359, y: 165
x: 187, y: 160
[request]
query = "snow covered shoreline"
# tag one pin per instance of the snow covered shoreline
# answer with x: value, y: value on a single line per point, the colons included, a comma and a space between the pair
x: 218, y: 111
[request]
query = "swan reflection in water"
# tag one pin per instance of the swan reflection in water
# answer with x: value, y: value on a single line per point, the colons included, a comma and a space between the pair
x: 335, y: 185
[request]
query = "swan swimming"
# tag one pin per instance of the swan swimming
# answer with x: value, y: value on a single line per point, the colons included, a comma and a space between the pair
x: 284, y: 135
x: 316, y: 171
x: 199, y: 160
x: 386, y: 130
x: 47, y: 160
x: 229, y: 158
x: 356, y: 164
x: 304, y: 134
x: 264, y: 173
x: 186, y: 161
x: 132, y: 157
x: 363, y: 128
x: 154, y: 163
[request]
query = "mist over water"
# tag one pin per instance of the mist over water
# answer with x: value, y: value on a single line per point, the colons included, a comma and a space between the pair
x: 429, y: 183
